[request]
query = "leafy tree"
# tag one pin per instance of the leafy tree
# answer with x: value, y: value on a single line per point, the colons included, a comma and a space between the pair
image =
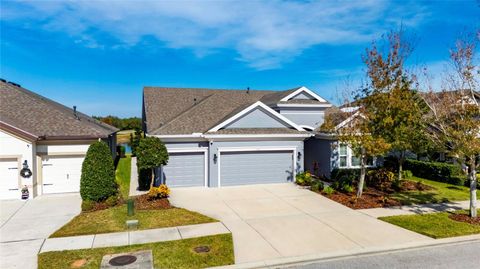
x: 97, y: 181
x: 135, y: 141
x: 151, y: 153
x: 394, y: 109
x: 355, y: 133
x: 132, y: 123
x: 454, y: 119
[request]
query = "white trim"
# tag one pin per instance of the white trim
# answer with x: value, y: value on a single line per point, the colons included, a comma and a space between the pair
x: 178, y: 136
x: 303, y: 89
x: 303, y: 105
x: 244, y: 149
x: 289, y: 112
x: 247, y: 136
x: 349, y: 119
x: 250, y: 108
x: 194, y: 150
x: 308, y: 128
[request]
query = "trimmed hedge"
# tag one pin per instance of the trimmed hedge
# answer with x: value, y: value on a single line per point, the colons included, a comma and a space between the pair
x: 97, y: 182
x: 442, y: 172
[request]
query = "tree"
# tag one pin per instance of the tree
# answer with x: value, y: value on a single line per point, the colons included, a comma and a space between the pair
x: 151, y: 153
x: 355, y: 132
x: 135, y: 141
x: 395, y: 109
x: 454, y: 119
x: 97, y: 181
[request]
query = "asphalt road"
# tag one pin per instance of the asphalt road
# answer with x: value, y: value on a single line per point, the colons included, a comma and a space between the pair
x: 463, y: 255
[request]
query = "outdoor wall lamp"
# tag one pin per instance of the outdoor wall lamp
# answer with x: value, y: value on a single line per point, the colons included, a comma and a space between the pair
x: 215, y: 158
x: 299, y: 155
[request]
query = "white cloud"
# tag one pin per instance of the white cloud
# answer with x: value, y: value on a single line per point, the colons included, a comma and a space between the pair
x: 265, y: 34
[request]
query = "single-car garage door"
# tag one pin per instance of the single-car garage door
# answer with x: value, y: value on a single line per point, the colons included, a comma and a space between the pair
x: 255, y: 167
x: 185, y: 169
x: 9, y: 179
x: 61, y: 173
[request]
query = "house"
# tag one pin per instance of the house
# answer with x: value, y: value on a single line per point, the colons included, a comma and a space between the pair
x: 232, y: 137
x: 45, y: 137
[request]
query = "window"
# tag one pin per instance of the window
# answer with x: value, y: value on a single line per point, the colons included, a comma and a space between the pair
x: 343, y: 155
x: 348, y: 160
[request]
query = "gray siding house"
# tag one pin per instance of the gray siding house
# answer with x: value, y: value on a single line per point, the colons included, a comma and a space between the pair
x: 232, y: 137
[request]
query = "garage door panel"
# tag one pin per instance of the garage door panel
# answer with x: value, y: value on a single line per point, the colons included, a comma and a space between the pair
x: 61, y: 173
x: 185, y: 169
x: 255, y: 167
x: 9, y: 188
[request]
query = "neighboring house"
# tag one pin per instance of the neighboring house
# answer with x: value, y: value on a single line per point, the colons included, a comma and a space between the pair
x: 50, y: 138
x: 232, y: 137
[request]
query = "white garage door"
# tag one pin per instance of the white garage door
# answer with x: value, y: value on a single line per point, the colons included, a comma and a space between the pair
x: 185, y: 169
x: 255, y: 167
x: 61, y: 173
x: 9, y: 179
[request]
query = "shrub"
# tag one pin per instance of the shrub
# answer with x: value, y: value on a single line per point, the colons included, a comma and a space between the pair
x: 87, y: 205
x: 328, y: 190
x: 380, y: 179
x: 144, y: 179
x: 442, y: 172
x: 151, y: 153
x: 317, y: 186
x: 112, y: 201
x: 337, y: 173
x: 304, y: 179
x: 407, y: 174
x: 159, y: 192
x: 347, y: 188
x: 97, y: 182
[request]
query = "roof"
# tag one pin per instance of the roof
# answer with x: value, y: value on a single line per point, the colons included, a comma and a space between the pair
x: 258, y: 131
x: 43, y: 119
x: 173, y: 111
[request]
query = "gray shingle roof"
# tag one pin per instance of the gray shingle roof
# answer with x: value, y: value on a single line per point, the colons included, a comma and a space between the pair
x: 44, y: 118
x: 171, y: 111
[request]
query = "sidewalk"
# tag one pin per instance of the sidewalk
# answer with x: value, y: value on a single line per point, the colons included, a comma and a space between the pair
x: 134, y: 179
x: 133, y: 237
x: 415, y: 209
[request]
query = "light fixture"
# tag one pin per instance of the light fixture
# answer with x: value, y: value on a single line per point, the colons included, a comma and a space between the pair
x: 215, y: 158
x: 299, y: 155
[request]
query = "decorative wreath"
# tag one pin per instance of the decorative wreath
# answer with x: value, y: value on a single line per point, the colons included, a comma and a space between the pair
x: 26, y: 173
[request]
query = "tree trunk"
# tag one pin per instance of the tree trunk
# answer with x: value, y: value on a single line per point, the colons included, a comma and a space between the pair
x: 472, y: 177
x: 152, y: 181
x: 361, y: 182
x: 401, y: 160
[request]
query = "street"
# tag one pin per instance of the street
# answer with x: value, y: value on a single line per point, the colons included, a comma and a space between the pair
x: 463, y: 255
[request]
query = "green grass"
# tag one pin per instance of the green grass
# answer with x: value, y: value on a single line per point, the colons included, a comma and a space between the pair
x: 123, y: 176
x: 443, y: 192
x: 113, y: 220
x: 124, y: 136
x: 171, y: 254
x: 436, y: 225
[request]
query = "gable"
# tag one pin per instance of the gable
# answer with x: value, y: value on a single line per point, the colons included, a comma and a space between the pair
x: 303, y: 96
x: 257, y: 118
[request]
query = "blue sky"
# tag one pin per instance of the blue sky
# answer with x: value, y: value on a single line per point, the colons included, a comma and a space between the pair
x: 99, y: 54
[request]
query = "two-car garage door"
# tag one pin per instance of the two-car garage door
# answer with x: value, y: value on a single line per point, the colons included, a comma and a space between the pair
x: 255, y: 167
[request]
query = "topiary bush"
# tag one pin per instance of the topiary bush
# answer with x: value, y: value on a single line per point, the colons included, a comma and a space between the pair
x: 151, y: 153
x: 97, y: 182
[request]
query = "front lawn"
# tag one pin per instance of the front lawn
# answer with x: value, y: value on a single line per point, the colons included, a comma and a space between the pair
x: 442, y: 192
x: 113, y: 220
x: 171, y: 254
x: 435, y: 225
x: 123, y: 176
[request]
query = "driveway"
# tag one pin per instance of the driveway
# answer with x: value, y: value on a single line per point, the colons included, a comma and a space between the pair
x: 26, y: 224
x: 283, y: 220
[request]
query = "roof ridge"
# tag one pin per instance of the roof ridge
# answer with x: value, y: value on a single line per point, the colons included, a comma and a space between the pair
x: 181, y: 114
x: 208, y: 89
x: 62, y: 107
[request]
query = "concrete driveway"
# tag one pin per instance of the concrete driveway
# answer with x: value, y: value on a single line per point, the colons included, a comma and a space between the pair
x: 283, y: 220
x: 26, y: 224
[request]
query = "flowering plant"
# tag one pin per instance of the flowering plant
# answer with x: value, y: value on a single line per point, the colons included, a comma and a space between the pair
x: 161, y: 191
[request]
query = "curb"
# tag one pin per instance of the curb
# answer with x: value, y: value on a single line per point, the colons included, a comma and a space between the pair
x: 306, y: 259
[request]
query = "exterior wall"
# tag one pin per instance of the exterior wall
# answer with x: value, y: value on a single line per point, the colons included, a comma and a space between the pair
x: 323, y: 152
x: 302, y: 96
x: 258, y: 118
x: 313, y: 117
x: 16, y: 147
x: 216, y: 145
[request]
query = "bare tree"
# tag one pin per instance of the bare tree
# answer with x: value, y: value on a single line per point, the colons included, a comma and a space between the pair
x: 455, y: 112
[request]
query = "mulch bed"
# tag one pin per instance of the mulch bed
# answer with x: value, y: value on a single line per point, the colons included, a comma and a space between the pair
x: 465, y: 218
x: 144, y: 202
x: 373, y: 198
